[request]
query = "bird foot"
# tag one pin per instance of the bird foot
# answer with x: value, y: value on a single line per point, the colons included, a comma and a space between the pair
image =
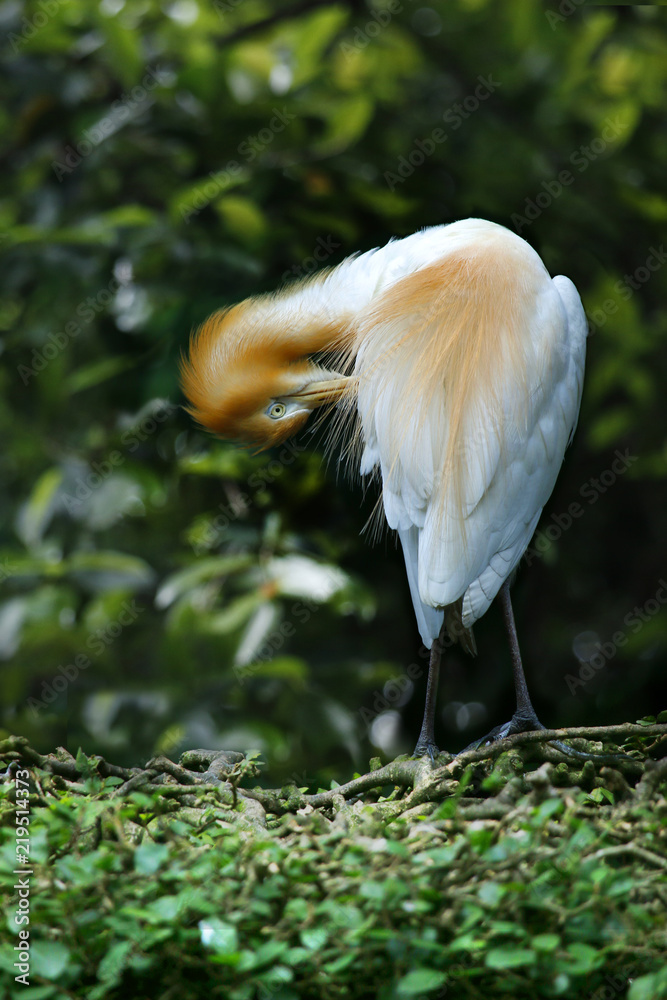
x: 519, y: 723
x: 426, y: 746
x: 528, y: 722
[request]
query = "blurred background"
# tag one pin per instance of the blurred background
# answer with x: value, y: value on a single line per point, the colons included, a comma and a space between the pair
x: 160, y: 589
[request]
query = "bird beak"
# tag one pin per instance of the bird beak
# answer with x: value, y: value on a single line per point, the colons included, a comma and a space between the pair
x: 320, y: 393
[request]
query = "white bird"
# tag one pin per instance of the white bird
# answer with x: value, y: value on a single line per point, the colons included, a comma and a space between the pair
x: 464, y: 362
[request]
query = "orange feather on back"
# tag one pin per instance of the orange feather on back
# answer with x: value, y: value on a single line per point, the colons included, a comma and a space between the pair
x: 449, y: 344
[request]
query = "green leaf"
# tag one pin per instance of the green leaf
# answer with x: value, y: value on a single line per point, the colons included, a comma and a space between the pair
x: 345, y: 124
x: 96, y: 373
x: 545, y: 942
x: 41, y: 992
x: 314, y: 938
x: 264, y: 955
x: 36, y: 513
x: 204, y: 570
x: 583, y: 958
x: 220, y: 937
x: 420, y: 981
x: 286, y: 668
x: 510, y: 958
x: 338, y: 964
x: 149, y: 857
x: 610, y: 426
x: 601, y: 795
x: 122, y: 50
x: 126, y: 215
x: 164, y: 909
x: 440, y: 856
x: 467, y: 942
x: 315, y: 34
x: 491, y: 893
x: 296, y: 910
x: 235, y: 614
x: 112, y: 966
x: 651, y: 987
x: 74, y: 235
x: 549, y: 808
x: 48, y: 959
x: 242, y: 217
x: 13, y: 614
x: 109, y: 571
x: 186, y: 204
x: 220, y: 462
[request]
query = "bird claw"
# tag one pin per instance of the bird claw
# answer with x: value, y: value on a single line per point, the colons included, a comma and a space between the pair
x: 426, y: 747
x: 517, y: 724
x: 530, y: 723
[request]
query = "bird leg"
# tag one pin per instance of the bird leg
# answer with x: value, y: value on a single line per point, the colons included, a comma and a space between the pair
x: 426, y: 742
x: 525, y: 717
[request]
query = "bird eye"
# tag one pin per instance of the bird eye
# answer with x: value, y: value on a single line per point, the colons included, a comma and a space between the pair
x: 277, y: 410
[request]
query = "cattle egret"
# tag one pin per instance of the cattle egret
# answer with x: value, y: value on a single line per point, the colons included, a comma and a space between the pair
x: 462, y: 362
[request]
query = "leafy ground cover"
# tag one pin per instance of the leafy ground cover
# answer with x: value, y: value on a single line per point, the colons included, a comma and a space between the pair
x: 508, y: 872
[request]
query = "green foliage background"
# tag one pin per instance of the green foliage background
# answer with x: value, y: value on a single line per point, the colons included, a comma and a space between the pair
x: 162, y: 160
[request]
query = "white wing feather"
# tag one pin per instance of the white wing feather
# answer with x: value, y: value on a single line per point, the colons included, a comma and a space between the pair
x: 508, y: 481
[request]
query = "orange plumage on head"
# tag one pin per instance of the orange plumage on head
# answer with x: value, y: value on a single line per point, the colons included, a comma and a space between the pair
x: 241, y: 359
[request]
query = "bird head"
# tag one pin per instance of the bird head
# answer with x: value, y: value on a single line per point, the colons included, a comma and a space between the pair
x: 249, y: 375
